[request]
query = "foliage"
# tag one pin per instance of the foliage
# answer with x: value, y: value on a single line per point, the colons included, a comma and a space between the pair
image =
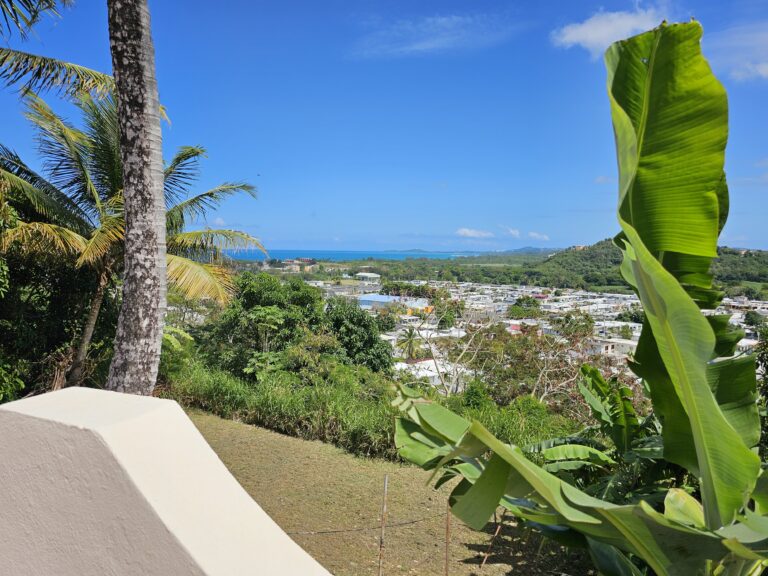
x: 574, y: 326
x: 410, y: 343
x: 21, y: 15
x: 346, y: 405
x: 43, y: 313
x: 10, y: 383
x: 74, y: 213
x: 634, y: 314
x: 358, y: 333
x: 386, y: 320
x: 734, y: 265
x: 673, y: 203
x: 265, y: 315
x: 529, y: 362
x: 78, y: 205
x: 411, y: 290
x: 176, y: 352
x: 524, y: 307
x: 753, y: 318
x: 3, y: 277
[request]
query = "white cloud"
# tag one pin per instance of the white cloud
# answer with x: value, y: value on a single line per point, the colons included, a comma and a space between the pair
x: 604, y: 180
x: 219, y: 221
x: 434, y: 34
x: 601, y: 29
x: 538, y: 236
x: 472, y: 233
x: 740, y: 50
x: 514, y: 232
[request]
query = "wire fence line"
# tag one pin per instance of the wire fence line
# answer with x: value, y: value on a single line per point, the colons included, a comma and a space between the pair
x: 366, y: 529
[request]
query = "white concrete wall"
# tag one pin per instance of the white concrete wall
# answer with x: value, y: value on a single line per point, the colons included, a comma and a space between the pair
x: 95, y: 483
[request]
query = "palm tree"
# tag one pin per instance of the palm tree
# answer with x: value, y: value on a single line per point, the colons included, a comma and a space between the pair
x: 136, y: 356
x: 140, y: 325
x: 79, y: 207
x: 408, y: 342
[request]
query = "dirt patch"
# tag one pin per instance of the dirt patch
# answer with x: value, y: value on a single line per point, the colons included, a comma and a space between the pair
x: 329, y: 502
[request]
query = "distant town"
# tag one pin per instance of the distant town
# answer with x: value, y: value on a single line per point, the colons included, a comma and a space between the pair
x: 615, y: 329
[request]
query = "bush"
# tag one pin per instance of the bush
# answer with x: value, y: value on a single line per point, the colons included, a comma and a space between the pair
x: 348, y: 406
x: 10, y: 383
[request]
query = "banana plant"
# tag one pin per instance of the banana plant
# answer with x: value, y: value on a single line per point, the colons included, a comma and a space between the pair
x: 620, y: 459
x: 670, y: 119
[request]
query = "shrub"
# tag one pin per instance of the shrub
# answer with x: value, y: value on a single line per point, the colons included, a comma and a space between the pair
x: 348, y: 406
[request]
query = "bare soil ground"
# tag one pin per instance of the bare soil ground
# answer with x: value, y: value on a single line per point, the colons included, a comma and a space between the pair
x: 330, y: 503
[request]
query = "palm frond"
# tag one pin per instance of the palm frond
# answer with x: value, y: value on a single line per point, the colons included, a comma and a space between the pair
x: 40, y: 73
x: 104, y: 239
x: 197, y: 280
x: 42, y: 237
x: 104, y: 161
x: 31, y: 201
x: 65, y: 151
x: 196, y: 207
x: 182, y: 171
x: 23, y: 14
x: 27, y: 186
x: 209, y: 244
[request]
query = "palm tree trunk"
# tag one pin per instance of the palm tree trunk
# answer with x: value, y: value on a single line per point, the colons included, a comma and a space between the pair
x: 140, y: 325
x: 76, y: 373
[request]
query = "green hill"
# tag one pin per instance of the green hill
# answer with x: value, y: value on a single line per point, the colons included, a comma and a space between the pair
x: 597, y: 266
x: 579, y: 267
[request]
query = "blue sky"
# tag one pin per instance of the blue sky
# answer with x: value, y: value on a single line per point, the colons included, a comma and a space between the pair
x: 394, y: 124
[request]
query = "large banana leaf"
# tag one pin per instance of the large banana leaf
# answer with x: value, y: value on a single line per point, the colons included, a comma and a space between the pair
x: 670, y: 117
x: 671, y: 126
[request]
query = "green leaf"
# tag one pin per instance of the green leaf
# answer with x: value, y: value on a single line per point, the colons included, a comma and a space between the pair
x: 670, y: 117
x: 478, y: 504
x: 611, y: 561
x: 577, y: 452
x: 727, y: 335
x: 727, y: 468
x: 612, y: 405
x: 733, y: 382
x: 443, y: 421
x: 684, y: 508
x: 670, y: 121
x: 415, y: 446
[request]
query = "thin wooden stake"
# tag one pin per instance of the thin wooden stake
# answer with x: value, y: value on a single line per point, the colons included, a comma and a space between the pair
x: 447, y: 536
x: 383, y: 524
x: 493, y: 539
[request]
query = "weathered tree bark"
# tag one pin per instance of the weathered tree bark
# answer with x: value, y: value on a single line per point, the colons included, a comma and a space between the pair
x: 140, y: 325
x: 75, y: 375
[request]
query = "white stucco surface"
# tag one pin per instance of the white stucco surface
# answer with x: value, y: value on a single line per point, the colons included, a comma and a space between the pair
x: 96, y: 483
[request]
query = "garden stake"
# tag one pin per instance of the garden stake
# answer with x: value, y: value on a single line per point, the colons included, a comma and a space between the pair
x: 493, y: 538
x: 447, y: 534
x: 383, y: 523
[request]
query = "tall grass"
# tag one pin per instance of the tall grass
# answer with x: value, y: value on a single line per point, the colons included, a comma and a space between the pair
x: 342, y: 410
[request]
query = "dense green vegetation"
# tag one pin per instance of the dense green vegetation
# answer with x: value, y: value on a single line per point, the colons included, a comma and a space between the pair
x: 278, y: 356
x: 346, y: 405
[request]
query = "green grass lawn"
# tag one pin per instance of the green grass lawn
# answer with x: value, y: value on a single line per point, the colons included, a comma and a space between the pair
x: 308, y: 486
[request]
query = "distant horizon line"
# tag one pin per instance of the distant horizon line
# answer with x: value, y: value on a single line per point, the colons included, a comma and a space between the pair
x: 447, y: 251
x: 403, y: 250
